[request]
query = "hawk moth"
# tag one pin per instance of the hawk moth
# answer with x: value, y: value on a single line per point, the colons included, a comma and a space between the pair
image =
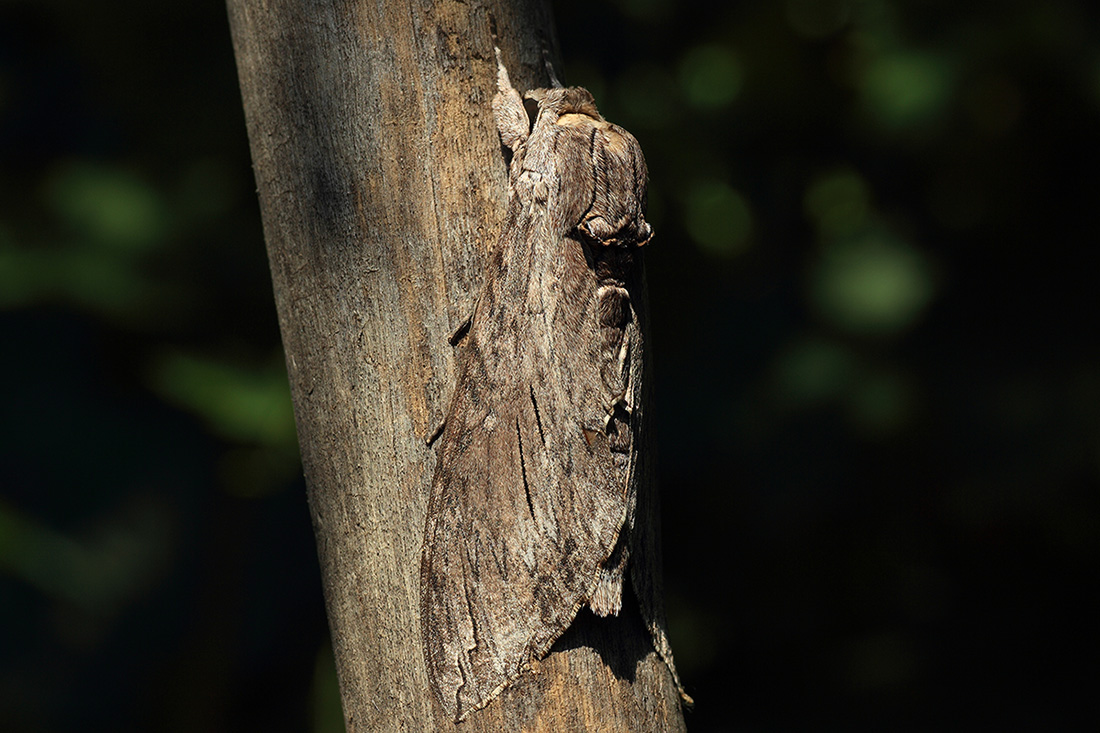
x: 533, y: 502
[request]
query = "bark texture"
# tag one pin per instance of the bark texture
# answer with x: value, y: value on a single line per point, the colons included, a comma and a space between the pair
x: 382, y: 186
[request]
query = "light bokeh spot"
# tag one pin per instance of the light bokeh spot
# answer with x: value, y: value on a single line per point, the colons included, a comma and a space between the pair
x: 813, y: 370
x: 718, y: 218
x: 875, y: 284
x: 710, y: 76
x: 906, y: 90
x: 109, y: 206
x: 837, y: 203
x: 240, y: 404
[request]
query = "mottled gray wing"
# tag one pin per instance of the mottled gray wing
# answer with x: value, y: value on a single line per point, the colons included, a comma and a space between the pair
x: 535, y: 481
x: 526, y: 506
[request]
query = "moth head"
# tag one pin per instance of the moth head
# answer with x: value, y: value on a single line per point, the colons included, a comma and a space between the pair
x: 558, y: 103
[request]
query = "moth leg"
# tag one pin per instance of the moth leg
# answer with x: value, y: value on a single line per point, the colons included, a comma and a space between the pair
x: 622, y: 398
x: 624, y: 354
x: 512, y: 121
x: 628, y: 388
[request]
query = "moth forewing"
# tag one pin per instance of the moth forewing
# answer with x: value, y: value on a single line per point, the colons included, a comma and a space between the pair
x: 533, y: 502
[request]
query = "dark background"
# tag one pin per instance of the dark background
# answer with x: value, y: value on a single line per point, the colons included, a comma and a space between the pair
x: 878, y: 369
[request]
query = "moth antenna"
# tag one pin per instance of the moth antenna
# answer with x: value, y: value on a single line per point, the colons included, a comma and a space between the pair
x: 554, y: 81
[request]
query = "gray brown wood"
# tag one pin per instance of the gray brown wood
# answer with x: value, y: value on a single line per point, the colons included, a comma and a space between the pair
x: 382, y: 186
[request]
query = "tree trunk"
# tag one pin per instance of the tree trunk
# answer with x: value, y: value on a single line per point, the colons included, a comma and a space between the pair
x: 382, y: 184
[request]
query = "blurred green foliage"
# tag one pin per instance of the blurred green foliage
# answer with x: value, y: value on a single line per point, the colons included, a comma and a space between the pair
x: 876, y: 360
x: 718, y: 218
x: 710, y: 76
x: 238, y: 404
x: 878, y: 385
x: 872, y: 283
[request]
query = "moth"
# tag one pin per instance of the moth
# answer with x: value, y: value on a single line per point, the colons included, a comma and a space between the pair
x: 535, y: 495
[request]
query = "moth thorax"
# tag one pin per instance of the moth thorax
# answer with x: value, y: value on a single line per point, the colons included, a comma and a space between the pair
x: 612, y: 263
